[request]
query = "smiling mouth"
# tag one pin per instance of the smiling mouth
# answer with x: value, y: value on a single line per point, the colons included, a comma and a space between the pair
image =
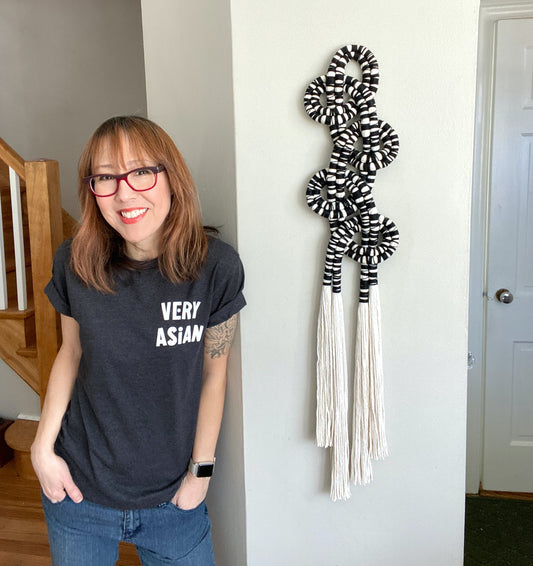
x: 133, y: 213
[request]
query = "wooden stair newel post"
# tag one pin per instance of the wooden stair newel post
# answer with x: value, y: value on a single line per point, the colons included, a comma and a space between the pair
x: 46, y: 234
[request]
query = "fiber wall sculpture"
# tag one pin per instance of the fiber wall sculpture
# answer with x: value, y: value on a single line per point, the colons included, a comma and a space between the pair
x: 342, y: 193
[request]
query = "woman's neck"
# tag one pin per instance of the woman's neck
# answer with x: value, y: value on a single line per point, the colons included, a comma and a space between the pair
x: 140, y: 253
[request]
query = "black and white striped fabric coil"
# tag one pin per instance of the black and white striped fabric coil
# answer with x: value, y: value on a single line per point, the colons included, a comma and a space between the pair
x: 362, y: 145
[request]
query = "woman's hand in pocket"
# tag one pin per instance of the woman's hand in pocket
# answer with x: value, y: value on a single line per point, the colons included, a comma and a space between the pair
x: 54, y: 475
x: 191, y: 492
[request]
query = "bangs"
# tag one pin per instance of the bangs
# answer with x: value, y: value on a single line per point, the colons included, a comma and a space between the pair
x: 142, y: 137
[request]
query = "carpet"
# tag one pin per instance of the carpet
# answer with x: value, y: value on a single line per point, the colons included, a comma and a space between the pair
x: 498, y: 532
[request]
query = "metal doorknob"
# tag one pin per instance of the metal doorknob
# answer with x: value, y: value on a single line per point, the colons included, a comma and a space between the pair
x: 504, y: 296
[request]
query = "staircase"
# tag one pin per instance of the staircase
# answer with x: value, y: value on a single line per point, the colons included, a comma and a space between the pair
x: 33, y: 226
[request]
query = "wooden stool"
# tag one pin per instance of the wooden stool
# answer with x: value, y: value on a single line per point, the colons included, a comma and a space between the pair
x: 20, y: 437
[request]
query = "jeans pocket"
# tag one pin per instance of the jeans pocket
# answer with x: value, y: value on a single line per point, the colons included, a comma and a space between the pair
x: 174, y: 507
x: 47, y: 501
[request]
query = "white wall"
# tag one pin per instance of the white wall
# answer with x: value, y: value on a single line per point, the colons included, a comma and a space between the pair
x: 67, y: 65
x: 189, y: 92
x: 413, y: 512
x: 16, y: 397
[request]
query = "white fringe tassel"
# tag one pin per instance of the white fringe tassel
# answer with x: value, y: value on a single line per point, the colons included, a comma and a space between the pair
x: 368, y: 430
x: 340, y: 453
x: 378, y: 439
x: 361, y: 468
x: 369, y: 439
x: 332, y: 391
x: 325, y: 358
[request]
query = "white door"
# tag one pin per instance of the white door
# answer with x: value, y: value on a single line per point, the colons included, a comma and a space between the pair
x: 508, y: 436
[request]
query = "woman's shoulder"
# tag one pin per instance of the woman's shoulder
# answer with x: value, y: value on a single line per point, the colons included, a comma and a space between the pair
x: 63, y: 251
x: 219, y: 251
x: 223, y: 260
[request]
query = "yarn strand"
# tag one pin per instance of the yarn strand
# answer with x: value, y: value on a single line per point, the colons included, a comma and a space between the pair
x: 340, y: 488
x: 361, y: 467
x: 378, y: 441
x: 325, y: 363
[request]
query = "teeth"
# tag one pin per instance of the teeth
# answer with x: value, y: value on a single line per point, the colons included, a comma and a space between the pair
x: 133, y: 213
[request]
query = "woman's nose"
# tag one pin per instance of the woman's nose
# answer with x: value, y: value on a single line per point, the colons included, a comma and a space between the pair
x: 124, y: 191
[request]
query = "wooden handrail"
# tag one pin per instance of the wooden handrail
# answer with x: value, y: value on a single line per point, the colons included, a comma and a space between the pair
x: 11, y: 158
x: 46, y: 233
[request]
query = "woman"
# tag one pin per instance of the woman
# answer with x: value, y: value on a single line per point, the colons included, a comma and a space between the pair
x: 126, y: 443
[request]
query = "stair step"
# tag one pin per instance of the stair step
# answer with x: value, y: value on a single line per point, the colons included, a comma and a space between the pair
x: 20, y: 436
x: 12, y: 312
x: 28, y: 352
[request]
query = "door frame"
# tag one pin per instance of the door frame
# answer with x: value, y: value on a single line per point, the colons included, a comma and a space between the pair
x: 490, y: 12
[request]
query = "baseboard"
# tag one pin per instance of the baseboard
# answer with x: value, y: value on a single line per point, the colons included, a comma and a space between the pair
x: 506, y: 494
x: 28, y: 417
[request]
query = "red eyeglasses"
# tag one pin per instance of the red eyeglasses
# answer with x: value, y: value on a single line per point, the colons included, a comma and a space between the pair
x: 140, y: 179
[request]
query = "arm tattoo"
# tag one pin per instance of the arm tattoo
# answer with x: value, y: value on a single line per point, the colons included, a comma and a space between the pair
x: 218, y: 338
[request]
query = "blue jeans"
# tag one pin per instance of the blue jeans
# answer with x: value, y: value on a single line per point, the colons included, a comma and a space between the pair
x: 86, y: 534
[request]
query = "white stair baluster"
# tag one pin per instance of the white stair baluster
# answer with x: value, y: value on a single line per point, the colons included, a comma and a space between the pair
x: 3, y: 281
x: 18, y: 237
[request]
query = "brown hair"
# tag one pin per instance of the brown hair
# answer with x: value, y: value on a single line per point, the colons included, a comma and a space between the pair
x: 97, y: 248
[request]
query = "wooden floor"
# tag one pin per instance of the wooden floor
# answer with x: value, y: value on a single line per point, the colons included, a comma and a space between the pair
x: 23, y: 540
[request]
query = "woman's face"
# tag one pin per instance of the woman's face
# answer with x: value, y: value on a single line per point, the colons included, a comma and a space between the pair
x: 137, y: 216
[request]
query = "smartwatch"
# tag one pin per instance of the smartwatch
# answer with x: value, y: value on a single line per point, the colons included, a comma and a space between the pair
x: 202, y: 469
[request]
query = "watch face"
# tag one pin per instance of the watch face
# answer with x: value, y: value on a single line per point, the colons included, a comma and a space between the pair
x: 205, y: 470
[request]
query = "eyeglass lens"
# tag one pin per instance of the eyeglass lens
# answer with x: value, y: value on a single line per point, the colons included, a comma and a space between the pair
x: 139, y: 180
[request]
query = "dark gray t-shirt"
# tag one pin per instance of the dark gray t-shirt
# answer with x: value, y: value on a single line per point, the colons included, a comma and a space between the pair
x: 129, y: 429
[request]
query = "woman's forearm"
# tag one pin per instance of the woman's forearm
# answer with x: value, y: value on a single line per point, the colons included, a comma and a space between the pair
x: 218, y: 341
x: 210, y: 413
x: 217, y: 345
x: 60, y: 385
